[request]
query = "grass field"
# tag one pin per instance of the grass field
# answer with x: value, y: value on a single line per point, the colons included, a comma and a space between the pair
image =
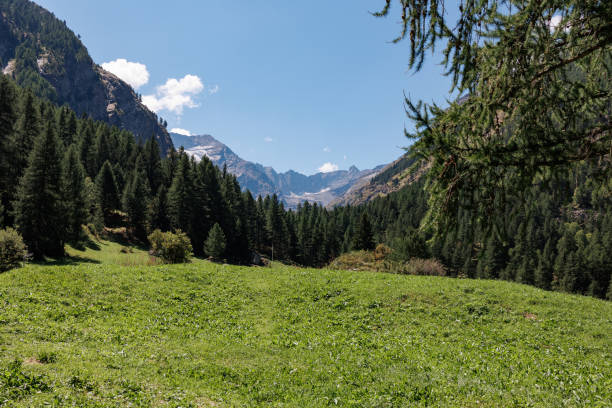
x: 94, y: 334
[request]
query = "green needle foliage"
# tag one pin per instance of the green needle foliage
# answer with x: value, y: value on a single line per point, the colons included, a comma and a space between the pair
x: 40, y: 207
x: 537, y: 76
x: 364, y: 237
x: 215, y: 243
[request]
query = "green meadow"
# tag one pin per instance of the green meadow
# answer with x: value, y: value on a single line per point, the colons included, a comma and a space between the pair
x: 105, y: 329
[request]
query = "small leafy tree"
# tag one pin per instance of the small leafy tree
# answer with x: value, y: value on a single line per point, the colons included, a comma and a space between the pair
x: 171, y: 247
x: 12, y: 249
x: 215, y: 243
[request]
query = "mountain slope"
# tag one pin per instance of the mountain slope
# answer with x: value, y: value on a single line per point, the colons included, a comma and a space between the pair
x: 390, y: 179
x: 40, y: 52
x: 291, y: 187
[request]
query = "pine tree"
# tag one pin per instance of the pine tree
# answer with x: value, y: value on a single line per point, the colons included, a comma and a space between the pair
x: 179, y: 196
x: 94, y: 210
x: 544, y: 270
x: 364, y: 237
x: 40, y: 209
x: 87, y: 149
x: 158, y: 211
x: 108, y: 196
x: 135, y: 202
x: 74, y: 193
x: 28, y: 130
x: 215, y: 243
x: 152, y: 164
x: 102, y: 149
x: 493, y: 260
x: 8, y: 117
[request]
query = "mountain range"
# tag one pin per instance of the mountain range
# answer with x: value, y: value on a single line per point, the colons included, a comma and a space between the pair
x: 291, y: 187
x: 42, y: 54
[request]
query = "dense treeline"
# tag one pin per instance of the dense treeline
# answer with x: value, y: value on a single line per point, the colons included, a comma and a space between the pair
x: 59, y: 172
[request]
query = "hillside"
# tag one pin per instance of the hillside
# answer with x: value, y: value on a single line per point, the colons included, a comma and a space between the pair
x: 388, y: 180
x: 41, y: 53
x: 207, y: 335
x: 291, y: 187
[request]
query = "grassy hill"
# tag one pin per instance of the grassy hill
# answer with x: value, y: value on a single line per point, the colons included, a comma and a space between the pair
x: 97, y: 334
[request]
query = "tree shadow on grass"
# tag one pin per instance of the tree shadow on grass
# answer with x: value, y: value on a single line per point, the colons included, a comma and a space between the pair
x: 122, y: 240
x: 65, y: 261
x: 83, y: 244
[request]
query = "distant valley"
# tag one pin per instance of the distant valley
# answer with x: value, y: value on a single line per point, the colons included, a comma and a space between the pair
x: 291, y: 187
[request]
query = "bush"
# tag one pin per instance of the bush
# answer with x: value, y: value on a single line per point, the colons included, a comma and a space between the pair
x: 355, y: 261
x: 381, y: 252
x: 427, y: 267
x: 171, y: 247
x: 13, y: 251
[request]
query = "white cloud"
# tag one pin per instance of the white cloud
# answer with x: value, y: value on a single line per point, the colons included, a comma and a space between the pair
x: 326, y: 149
x: 268, y: 139
x: 180, y: 131
x: 555, y: 22
x: 213, y: 90
x: 328, y: 167
x: 134, y: 73
x: 175, y: 94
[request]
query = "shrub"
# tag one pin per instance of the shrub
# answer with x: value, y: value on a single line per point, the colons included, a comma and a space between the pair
x: 381, y: 252
x: 13, y: 251
x: 171, y: 247
x: 427, y: 267
x: 355, y: 261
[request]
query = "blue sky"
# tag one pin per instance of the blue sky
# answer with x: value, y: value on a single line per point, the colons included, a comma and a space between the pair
x: 292, y: 85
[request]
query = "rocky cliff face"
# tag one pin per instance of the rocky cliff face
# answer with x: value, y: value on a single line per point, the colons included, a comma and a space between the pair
x: 291, y: 187
x: 40, y: 52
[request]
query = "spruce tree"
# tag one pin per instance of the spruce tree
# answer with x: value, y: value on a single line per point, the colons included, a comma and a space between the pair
x: 493, y: 261
x: 28, y: 130
x: 102, y: 148
x: 179, y: 196
x: 87, y: 149
x: 108, y: 197
x: 8, y: 117
x: 135, y: 203
x: 40, y: 209
x: 152, y: 164
x: 364, y: 237
x: 215, y: 243
x: 75, y: 198
x: 544, y: 270
x: 158, y: 211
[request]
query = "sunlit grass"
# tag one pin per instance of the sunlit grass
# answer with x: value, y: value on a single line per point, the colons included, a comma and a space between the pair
x: 204, y: 334
x: 109, y: 252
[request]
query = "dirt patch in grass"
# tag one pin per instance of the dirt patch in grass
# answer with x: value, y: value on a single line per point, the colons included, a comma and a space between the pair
x: 32, y: 361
